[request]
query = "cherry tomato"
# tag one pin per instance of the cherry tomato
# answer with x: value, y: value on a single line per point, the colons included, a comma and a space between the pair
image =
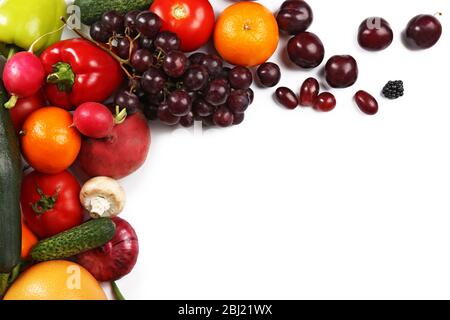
x: 24, y: 107
x: 192, y: 20
x: 51, y: 203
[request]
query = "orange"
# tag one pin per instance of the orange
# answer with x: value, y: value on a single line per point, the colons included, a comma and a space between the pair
x: 50, y: 143
x: 246, y: 34
x: 29, y: 240
x: 56, y: 280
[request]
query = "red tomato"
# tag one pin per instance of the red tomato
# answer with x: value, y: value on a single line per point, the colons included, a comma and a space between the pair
x: 192, y: 20
x: 24, y: 107
x: 51, y: 203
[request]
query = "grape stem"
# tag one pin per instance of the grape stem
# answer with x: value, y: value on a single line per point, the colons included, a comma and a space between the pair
x: 45, y: 35
x: 121, y: 61
x: 130, y: 50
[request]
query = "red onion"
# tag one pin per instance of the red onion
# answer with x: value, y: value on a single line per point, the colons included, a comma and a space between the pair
x: 116, y: 258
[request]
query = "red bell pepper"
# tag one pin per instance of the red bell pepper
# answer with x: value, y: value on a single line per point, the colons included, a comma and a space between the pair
x: 78, y: 72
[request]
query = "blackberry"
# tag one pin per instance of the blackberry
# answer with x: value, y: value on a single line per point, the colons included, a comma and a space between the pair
x: 393, y: 89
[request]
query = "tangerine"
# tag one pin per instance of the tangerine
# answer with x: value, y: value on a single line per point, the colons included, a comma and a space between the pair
x: 50, y: 142
x: 246, y: 34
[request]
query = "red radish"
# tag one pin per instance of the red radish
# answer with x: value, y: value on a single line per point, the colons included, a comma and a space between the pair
x: 116, y: 258
x: 23, y: 76
x: 119, y: 154
x: 94, y: 120
x: 24, y: 107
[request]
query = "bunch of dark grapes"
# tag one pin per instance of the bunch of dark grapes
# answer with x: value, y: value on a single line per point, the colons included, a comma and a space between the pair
x: 166, y: 84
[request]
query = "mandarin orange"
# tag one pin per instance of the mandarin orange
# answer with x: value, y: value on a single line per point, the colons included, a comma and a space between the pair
x: 49, y: 141
x: 246, y: 34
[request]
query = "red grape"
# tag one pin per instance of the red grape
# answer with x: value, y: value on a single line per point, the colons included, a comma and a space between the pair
x: 100, y: 33
x: 366, y: 102
x: 223, y: 117
x: 202, y: 108
x: 325, y: 102
x: 306, y: 50
x: 341, y: 71
x: 165, y: 116
x: 196, y: 78
x: 142, y: 60
x: 167, y: 41
x: 309, y: 92
x: 187, y: 120
x: 217, y: 92
x: 148, y: 24
x: 153, y: 81
x: 179, y: 103
x: 423, y: 31
x: 238, y: 101
x: 286, y: 97
x: 294, y: 16
x: 175, y: 64
x: 375, y: 34
x: 114, y: 21
x: 269, y: 74
x: 240, y: 78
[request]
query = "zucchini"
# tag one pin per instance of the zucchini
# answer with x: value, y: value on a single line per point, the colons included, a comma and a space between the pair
x: 89, y: 235
x: 10, y: 182
x: 92, y: 10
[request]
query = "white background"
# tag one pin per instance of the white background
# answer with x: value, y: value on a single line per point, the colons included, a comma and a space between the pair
x: 306, y: 205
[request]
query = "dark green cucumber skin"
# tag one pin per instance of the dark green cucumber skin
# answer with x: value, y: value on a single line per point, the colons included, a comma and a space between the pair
x: 10, y: 183
x: 92, y: 10
x: 89, y: 235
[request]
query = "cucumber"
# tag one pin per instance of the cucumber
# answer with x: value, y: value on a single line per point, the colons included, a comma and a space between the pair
x: 10, y: 182
x: 90, y: 235
x: 92, y: 10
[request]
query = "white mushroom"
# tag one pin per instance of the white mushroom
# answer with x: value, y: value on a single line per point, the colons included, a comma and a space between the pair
x: 102, y: 197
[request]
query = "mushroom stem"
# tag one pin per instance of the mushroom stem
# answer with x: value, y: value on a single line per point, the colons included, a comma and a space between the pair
x: 102, y: 197
x: 99, y: 206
